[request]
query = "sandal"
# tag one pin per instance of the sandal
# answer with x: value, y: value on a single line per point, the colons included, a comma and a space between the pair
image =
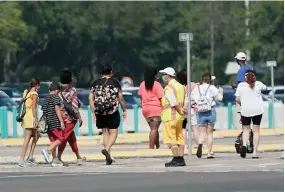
x: 210, y: 156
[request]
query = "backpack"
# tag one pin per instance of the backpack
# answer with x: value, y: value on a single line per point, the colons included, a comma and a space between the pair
x: 21, y: 111
x: 203, y: 104
x: 239, y: 143
x: 68, y: 107
x: 105, y: 98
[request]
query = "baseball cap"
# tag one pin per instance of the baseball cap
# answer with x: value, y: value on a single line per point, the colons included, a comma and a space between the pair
x: 169, y: 71
x: 241, y: 56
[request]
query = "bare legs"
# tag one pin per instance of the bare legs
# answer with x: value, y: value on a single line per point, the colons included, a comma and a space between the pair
x: 154, y: 134
x: 256, y: 138
x: 27, y: 139
x: 34, y: 142
x: 203, y: 131
x: 109, y: 138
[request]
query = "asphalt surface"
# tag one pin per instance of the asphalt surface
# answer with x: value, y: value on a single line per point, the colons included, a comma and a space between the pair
x: 142, y: 182
x: 96, y: 149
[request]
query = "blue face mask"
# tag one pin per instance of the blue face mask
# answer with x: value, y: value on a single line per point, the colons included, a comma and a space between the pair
x: 164, y: 79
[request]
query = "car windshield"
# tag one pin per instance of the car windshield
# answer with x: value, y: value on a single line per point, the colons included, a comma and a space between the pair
x: 279, y: 91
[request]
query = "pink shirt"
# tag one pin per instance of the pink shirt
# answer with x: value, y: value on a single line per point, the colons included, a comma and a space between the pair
x: 151, y: 100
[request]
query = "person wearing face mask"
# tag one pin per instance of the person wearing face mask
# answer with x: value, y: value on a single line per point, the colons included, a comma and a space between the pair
x: 172, y: 117
x: 151, y: 92
x: 30, y: 122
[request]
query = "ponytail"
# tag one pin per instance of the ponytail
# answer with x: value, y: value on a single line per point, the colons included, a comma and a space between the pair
x: 250, y: 79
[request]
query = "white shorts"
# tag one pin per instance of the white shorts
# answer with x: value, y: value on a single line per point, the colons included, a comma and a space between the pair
x: 193, y: 119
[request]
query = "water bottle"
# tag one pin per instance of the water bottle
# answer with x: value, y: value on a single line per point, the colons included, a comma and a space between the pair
x: 248, y: 145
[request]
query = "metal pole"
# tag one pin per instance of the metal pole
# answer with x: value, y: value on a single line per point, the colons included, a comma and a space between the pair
x: 273, y: 95
x: 189, y: 100
x: 212, y: 40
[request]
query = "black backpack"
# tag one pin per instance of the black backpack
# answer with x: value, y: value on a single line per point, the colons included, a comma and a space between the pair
x: 106, y: 97
x: 239, y: 143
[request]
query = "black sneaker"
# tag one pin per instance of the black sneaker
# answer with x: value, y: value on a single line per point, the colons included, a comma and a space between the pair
x: 243, y: 152
x: 180, y: 162
x: 109, y: 160
x: 172, y: 163
x: 199, y: 151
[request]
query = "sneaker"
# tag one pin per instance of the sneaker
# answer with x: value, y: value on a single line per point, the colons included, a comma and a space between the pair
x: 199, y: 151
x: 172, y: 163
x: 180, y: 162
x: 64, y: 164
x: 80, y: 161
x: 243, y: 152
x: 45, y: 153
x: 109, y: 160
x: 22, y: 164
x: 32, y: 161
x: 56, y: 163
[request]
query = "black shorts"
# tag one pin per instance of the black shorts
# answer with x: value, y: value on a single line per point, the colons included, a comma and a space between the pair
x: 111, y: 121
x: 256, y: 120
x: 184, y: 123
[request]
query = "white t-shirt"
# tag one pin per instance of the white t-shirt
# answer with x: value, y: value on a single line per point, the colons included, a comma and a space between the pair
x: 211, y: 93
x: 251, y: 99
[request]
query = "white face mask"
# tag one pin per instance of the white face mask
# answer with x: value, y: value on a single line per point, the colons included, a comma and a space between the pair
x: 164, y: 79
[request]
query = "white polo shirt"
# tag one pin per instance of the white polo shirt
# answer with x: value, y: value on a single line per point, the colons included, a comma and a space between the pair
x: 251, y: 99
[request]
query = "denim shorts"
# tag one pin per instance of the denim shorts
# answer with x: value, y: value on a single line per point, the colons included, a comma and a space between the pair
x: 207, y: 118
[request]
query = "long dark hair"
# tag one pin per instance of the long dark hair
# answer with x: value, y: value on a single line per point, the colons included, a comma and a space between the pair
x: 34, y: 82
x: 181, y: 77
x: 149, y: 78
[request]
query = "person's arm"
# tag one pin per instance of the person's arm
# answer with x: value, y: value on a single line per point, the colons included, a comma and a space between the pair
x: 237, y: 94
x: 123, y: 104
x: 173, y: 101
x: 34, y: 109
x: 59, y: 116
x: 92, y: 101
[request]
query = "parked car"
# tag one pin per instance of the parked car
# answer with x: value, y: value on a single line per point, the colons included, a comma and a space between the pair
x: 6, y: 101
x: 131, y: 100
x: 278, y: 90
x: 83, y: 96
x: 44, y: 88
x: 13, y: 93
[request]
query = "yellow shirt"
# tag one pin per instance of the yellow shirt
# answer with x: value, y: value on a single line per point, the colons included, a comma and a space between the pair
x: 28, y: 120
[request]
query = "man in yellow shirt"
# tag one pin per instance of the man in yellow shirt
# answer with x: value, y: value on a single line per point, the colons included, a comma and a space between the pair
x: 172, y: 117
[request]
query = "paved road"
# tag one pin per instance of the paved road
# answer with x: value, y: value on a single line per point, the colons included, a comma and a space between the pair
x: 224, y: 162
x: 96, y: 149
x: 142, y: 182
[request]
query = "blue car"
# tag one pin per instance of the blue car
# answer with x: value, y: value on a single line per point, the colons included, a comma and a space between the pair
x: 6, y: 101
x: 13, y: 93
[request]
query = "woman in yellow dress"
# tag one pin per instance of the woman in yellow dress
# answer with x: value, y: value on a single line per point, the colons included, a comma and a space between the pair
x: 30, y: 122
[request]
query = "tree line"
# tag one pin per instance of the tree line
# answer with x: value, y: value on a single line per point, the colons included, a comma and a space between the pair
x: 41, y: 38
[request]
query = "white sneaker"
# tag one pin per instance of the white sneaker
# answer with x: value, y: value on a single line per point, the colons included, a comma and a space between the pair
x: 56, y: 163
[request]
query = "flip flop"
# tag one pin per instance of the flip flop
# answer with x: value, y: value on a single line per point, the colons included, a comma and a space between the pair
x: 255, y: 157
